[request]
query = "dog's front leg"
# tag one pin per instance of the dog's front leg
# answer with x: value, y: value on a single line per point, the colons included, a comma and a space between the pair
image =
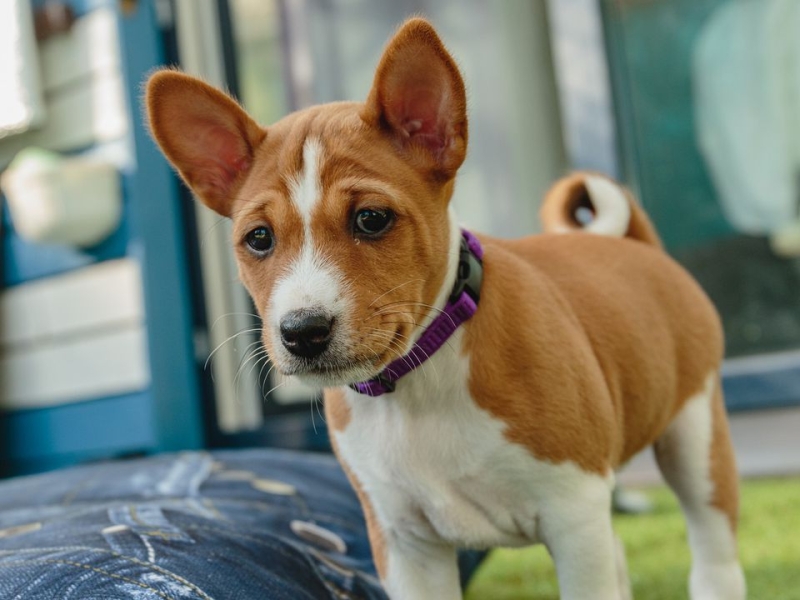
x: 420, y: 569
x: 585, y: 560
x: 410, y: 567
x: 582, y: 543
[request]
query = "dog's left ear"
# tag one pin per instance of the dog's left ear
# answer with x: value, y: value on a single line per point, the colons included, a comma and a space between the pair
x: 418, y: 97
x: 204, y: 133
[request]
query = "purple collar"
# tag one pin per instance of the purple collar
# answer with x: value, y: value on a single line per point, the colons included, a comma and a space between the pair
x: 462, y: 304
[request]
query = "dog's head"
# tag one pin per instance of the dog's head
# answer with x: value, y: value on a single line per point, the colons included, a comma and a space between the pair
x: 340, y: 211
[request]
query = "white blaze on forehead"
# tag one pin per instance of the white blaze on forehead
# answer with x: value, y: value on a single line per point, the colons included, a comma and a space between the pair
x: 312, y: 280
x: 305, y: 188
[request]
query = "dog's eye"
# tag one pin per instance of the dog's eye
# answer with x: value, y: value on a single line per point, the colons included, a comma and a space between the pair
x: 371, y: 222
x: 260, y: 241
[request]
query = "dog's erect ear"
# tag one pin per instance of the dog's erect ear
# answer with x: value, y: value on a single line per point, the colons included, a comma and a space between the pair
x: 204, y: 133
x: 418, y: 96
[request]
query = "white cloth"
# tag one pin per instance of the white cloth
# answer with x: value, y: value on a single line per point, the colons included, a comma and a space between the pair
x: 746, y: 76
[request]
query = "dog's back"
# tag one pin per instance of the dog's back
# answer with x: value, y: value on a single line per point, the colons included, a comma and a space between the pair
x: 632, y: 326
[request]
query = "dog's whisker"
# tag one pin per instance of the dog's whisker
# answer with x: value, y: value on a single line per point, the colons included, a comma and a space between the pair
x: 233, y: 314
x: 394, y: 313
x: 395, y: 354
x: 423, y: 364
x: 391, y: 336
x: 263, y: 378
x: 254, y: 360
x: 397, y: 287
x: 390, y: 310
x: 362, y: 345
x: 259, y: 354
x: 249, y: 355
x: 427, y: 307
x: 416, y: 324
x: 412, y: 323
x: 275, y: 388
x: 311, y: 407
x: 316, y: 402
x: 259, y: 359
x: 232, y: 337
x: 424, y: 305
x: 388, y: 337
x: 441, y: 313
x: 377, y: 356
x: 397, y: 334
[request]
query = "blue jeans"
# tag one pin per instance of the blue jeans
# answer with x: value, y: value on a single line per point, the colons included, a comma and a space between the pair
x: 226, y: 525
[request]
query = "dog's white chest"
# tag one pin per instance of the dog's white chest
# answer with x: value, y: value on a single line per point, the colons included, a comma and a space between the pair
x: 434, y: 463
x: 441, y: 474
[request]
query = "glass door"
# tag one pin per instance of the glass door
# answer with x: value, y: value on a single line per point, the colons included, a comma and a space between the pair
x: 707, y: 94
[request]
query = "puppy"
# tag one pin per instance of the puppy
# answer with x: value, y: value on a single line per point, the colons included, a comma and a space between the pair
x: 480, y: 392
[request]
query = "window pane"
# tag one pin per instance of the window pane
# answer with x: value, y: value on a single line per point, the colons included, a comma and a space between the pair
x: 708, y: 95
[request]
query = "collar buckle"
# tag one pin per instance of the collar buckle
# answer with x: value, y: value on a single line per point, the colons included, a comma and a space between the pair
x: 469, y: 274
x: 380, y: 384
x: 385, y: 382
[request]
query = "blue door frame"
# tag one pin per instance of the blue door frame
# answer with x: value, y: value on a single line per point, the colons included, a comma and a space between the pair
x: 159, y: 240
x: 168, y: 415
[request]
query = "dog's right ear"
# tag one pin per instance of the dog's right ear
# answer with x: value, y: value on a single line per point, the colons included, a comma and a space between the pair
x: 204, y: 133
x: 418, y: 97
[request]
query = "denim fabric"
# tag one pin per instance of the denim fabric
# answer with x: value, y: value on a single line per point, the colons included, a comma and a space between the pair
x: 232, y: 525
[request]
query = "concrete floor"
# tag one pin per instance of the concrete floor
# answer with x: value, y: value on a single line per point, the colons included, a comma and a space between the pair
x: 767, y: 443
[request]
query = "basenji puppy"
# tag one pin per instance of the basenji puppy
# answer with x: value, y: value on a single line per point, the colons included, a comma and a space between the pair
x: 479, y: 392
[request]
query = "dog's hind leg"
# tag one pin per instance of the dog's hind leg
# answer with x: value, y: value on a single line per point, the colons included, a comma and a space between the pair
x: 696, y: 458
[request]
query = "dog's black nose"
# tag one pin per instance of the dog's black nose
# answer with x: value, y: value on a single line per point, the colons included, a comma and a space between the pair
x: 306, y: 334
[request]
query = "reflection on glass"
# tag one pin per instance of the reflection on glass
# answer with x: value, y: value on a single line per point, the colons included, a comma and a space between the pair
x: 256, y: 24
x: 710, y: 93
x: 331, y: 49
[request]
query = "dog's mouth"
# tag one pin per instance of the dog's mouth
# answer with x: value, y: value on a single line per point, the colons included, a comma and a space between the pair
x: 342, y: 368
x: 330, y: 373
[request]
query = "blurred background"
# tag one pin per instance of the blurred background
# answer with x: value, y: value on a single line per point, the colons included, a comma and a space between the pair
x: 123, y: 328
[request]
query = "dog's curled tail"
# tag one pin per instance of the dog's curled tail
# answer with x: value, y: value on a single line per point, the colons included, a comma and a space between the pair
x: 595, y: 204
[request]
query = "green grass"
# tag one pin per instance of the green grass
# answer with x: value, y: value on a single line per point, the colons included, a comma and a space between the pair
x: 658, y: 554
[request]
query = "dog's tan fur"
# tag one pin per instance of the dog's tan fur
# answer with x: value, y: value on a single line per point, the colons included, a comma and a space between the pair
x: 585, y: 347
x: 631, y: 311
